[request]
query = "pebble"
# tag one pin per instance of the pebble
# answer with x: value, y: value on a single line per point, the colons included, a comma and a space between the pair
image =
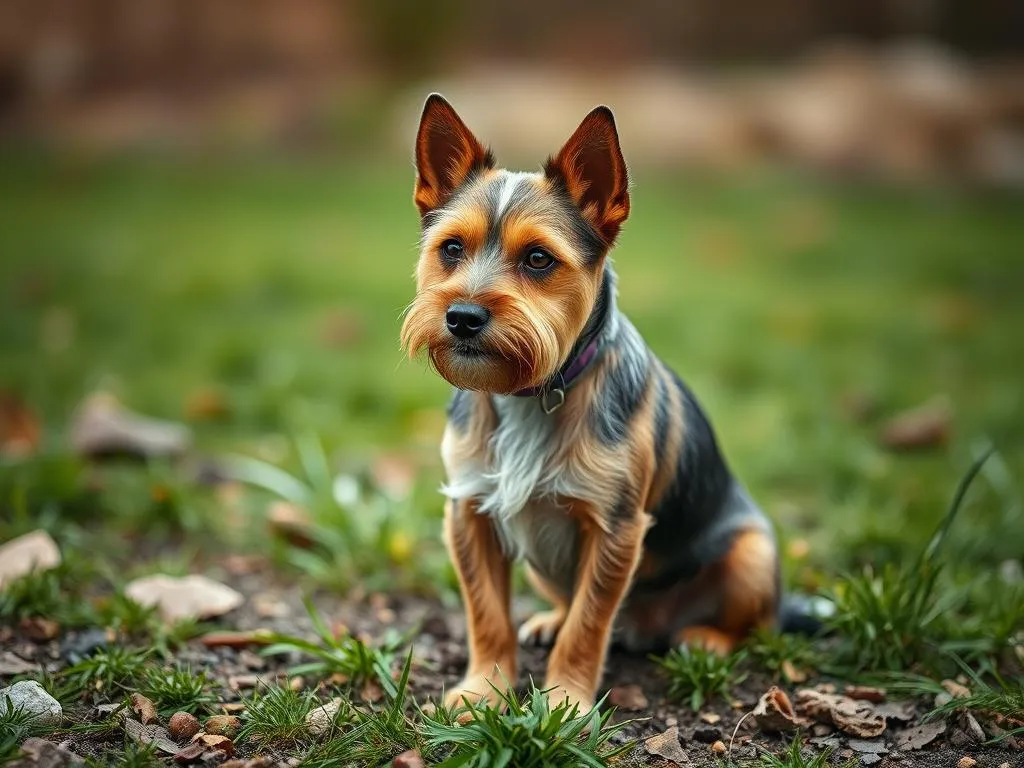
x: 183, y: 726
x: 966, y: 762
x: 30, y: 696
x: 707, y: 734
x: 719, y: 748
x: 408, y: 759
x: 35, y: 551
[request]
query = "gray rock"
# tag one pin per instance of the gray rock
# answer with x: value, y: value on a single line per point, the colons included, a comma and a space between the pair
x: 29, y: 696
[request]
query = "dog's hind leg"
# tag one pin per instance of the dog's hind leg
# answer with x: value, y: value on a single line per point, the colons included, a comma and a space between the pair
x: 747, y: 583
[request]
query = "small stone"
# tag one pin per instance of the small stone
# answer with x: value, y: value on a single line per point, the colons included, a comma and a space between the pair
x: 821, y: 729
x: 864, y: 745
x: 408, y: 759
x: 321, y: 720
x: 719, y: 748
x: 82, y: 645
x: 103, y: 427
x: 870, y: 758
x: 966, y: 762
x: 35, y: 551
x: 30, y: 696
x: 223, y: 725
x: 711, y: 718
x: 1004, y: 765
x: 866, y: 693
x: 243, y: 682
x: 628, y: 697
x: 183, y: 726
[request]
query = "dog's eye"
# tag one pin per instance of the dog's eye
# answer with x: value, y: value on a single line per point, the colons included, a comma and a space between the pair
x: 451, y: 251
x: 539, y: 260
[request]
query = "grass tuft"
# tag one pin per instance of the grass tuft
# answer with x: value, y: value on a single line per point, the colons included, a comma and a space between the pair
x: 899, y: 617
x: 277, y: 716
x: 795, y: 756
x: 530, y: 732
x: 116, y: 666
x: 16, y: 725
x: 347, y: 655
x: 132, y: 755
x: 696, y: 675
x: 177, y: 689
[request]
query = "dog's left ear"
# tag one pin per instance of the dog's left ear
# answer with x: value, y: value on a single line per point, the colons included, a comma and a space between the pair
x: 447, y: 153
x: 592, y: 169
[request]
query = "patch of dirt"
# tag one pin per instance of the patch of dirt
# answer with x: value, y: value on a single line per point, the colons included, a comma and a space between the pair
x: 438, y: 639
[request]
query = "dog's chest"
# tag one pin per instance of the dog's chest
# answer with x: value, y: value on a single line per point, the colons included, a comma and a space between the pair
x: 520, y: 482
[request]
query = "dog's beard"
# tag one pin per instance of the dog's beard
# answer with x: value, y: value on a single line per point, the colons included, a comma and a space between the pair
x: 512, y: 354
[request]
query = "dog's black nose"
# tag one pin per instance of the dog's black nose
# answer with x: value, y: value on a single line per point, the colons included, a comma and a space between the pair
x: 466, y: 320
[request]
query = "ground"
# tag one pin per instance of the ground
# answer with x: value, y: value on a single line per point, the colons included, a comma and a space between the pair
x: 259, y: 303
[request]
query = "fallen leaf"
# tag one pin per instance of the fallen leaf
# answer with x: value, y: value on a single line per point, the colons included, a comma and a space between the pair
x: 876, y: 747
x: 774, y: 712
x: 855, y: 718
x: 150, y: 734
x: 290, y: 522
x: 40, y: 753
x: 35, y: 551
x: 408, y: 759
x: 236, y: 639
x: 711, y: 718
x: 792, y: 672
x: 145, y: 709
x: 920, y: 736
x: 190, y: 754
x: 899, y: 711
x: 865, y: 693
x: 15, y: 665
x: 966, y: 731
x: 190, y: 597
x: 103, y: 427
x: 320, y: 720
x: 19, y: 428
x: 215, y: 741
x: 926, y: 426
x: 666, y: 745
x: 628, y: 697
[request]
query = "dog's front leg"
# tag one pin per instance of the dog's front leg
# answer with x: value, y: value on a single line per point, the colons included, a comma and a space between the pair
x: 484, y: 579
x: 608, y: 558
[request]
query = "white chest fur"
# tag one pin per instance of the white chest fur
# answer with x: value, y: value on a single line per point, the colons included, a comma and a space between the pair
x: 519, y: 483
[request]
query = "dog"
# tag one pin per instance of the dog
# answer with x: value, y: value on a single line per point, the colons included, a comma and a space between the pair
x: 569, y: 444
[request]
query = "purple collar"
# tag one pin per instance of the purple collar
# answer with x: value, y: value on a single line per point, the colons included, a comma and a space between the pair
x: 552, y: 393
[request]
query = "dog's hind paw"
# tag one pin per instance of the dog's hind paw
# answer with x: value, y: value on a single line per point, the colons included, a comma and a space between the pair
x: 542, y: 628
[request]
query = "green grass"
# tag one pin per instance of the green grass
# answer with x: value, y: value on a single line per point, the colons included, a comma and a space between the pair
x: 696, y: 675
x: 346, y: 655
x: 177, y: 689
x: 797, y: 756
x: 277, y: 716
x: 530, y: 733
x: 109, y: 670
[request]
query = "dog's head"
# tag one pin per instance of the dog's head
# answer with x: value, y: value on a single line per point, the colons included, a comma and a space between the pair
x: 511, y: 263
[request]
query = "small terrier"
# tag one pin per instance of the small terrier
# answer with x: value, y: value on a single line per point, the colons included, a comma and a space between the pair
x: 569, y: 444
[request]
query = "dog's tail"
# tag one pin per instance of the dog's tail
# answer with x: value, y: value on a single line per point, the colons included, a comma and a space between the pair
x: 805, y: 614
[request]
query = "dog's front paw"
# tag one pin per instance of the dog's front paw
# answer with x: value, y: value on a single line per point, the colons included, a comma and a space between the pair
x: 541, y: 628
x: 478, y: 691
x: 562, y: 694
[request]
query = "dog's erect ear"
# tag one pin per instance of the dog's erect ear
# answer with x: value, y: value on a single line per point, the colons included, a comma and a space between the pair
x: 591, y: 168
x: 447, y: 152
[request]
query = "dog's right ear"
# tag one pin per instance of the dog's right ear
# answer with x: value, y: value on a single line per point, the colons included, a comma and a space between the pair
x: 447, y: 153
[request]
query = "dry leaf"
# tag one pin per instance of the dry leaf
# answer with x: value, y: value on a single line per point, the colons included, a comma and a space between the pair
x: 865, y: 693
x: 856, y: 718
x: 920, y: 736
x: 103, y: 427
x: 290, y: 522
x: 213, y: 741
x: 955, y: 689
x: 321, y: 719
x: 19, y: 429
x: 150, y: 734
x: 666, y: 745
x: 792, y: 672
x: 145, y: 709
x: 711, y: 718
x: 926, y: 426
x: 774, y: 712
x: 190, y: 597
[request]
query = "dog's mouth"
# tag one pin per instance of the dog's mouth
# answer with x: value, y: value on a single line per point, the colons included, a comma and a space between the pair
x: 470, y: 351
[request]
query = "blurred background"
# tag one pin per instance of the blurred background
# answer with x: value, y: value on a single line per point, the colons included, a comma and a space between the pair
x: 206, y: 217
